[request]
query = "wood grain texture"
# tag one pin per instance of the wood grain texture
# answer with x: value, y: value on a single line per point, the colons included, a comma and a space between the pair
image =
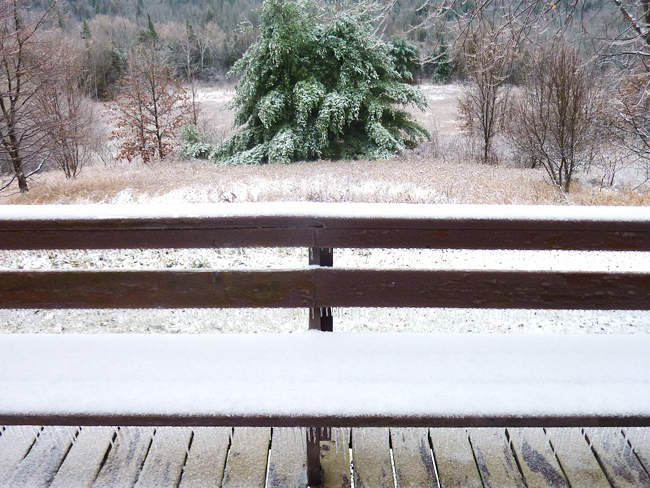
x: 454, y: 458
x: 40, y: 465
x: 15, y: 443
x: 166, y: 458
x: 83, y: 462
x: 537, y: 460
x: 288, y: 458
x: 247, y: 458
x: 371, y: 455
x: 207, y: 457
x: 126, y: 458
x: 576, y: 458
x: 621, y: 465
x: 413, y: 459
x: 496, y: 463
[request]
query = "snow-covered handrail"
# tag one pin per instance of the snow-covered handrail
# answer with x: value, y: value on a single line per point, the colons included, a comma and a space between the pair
x: 322, y: 225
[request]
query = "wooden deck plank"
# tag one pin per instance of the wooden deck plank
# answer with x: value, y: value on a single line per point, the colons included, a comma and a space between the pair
x: 41, y: 464
x: 288, y: 458
x: 576, y: 458
x: 639, y: 439
x: 247, y: 458
x: 412, y: 456
x: 166, y: 458
x: 207, y: 457
x: 335, y: 459
x: 617, y: 458
x: 537, y: 461
x: 454, y: 458
x: 83, y: 462
x: 125, y: 459
x: 371, y: 455
x: 15, y: 443
x: 496, y: 463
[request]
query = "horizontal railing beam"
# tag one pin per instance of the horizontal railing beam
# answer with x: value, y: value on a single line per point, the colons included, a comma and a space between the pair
x: 156, y: 289
x: 325, y: 421
x: 324, y: 226
x: 325, y: 287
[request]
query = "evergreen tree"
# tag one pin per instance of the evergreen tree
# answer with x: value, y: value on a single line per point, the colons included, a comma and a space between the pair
x: 86, y: 35
x: 310, y: 90
x: 405, y: 57
x: 150, y: 34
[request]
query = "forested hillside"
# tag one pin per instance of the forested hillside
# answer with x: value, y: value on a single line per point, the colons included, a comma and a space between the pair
x: 555, y: 84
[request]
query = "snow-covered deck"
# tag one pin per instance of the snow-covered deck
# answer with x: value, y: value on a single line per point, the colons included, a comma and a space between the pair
x: 324, y: 379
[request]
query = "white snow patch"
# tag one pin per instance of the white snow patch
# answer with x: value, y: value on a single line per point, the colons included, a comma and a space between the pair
x: 441, y: 376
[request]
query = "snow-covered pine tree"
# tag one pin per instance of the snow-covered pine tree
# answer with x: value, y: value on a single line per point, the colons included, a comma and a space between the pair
x: 311, y: 88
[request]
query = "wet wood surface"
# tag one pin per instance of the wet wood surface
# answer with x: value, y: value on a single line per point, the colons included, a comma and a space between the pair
x: 335, y: 458
x: 579, y: 464
x: 536, y: 459
x: 206, y: 457
x: 372, y: 458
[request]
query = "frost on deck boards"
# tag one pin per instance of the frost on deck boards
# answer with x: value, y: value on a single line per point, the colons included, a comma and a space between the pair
x: 261, y: 457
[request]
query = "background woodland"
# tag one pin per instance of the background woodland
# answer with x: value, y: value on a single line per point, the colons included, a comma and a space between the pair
x: 559, y: 85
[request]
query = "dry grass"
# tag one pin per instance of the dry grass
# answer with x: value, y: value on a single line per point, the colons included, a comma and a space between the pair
x: 436, y: 172
x: 411, y: 178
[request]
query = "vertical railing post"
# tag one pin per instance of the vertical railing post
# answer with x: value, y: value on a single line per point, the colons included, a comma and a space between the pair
x: 314, y: 474
x: 314, y: 437
x: 321, y: 319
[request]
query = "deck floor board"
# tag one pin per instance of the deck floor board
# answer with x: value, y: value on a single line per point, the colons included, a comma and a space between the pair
x: 617, y: 458
x: 215, y: 456
x: 206, y: 459
x: 82, y: 464
x: 576, y: 458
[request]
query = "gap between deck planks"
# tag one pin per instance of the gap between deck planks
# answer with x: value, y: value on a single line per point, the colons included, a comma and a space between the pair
x: 370, y: 457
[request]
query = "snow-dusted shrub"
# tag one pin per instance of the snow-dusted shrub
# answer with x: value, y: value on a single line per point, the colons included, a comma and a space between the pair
x: 314, y: 88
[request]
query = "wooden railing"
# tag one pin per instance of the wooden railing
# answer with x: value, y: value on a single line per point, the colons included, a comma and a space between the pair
x: 322, y: 228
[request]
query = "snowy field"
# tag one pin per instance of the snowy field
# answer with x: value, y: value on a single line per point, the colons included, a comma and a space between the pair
x: 350, y: 320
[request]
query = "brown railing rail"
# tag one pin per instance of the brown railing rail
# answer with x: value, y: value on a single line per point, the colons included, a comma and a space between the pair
x: 325, y: 226
x: 322, y: 227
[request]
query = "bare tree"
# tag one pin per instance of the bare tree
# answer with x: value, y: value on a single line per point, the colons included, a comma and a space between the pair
x: 488, y: 55
x: 151, y: 108
x: 24, y: 73
x: 187, y: 57
x: 557, y: 120
x: 66, y: 108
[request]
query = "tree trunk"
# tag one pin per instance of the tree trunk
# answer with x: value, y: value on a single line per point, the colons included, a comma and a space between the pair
x: 17, y: 163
